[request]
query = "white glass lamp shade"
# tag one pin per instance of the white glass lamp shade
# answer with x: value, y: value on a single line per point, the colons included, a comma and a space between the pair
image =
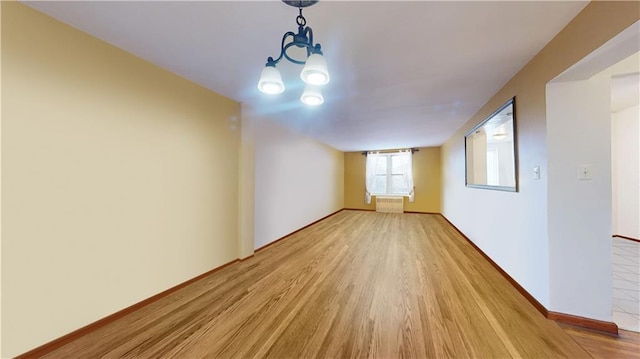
x: 271, y: 81
x: 312, y: 96
x: 315, y: 71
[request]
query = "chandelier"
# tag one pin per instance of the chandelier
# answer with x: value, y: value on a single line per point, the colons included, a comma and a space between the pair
x: 314, y: 73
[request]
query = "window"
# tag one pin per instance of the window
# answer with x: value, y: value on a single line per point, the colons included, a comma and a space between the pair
x: 389, y: 174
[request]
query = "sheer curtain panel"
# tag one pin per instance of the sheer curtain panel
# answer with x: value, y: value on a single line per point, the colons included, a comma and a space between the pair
x: 408, y: 173
x: 372, y: 161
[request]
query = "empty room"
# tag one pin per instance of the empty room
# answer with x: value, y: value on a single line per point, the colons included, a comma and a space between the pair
x: 320, y: 179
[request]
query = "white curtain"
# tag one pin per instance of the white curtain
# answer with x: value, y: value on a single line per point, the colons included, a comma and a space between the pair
x: 372, y: 161
x: 407, y: 173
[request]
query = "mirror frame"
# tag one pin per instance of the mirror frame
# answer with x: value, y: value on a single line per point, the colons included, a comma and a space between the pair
x: 515, y: 188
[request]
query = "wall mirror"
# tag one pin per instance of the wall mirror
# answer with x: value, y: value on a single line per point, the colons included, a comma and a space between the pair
x: 490, y: 151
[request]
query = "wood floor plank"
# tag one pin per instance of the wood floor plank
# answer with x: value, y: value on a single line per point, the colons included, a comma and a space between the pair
x: 604, y: 345
x: 356, y: 285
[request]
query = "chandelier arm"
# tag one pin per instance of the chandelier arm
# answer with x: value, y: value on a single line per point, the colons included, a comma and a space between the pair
x: 283, y: 48
x: 284, y: 52
x: 308, y: 32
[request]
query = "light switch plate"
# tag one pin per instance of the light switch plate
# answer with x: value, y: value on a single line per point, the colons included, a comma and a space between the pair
x: 585, y: 172
x: 536, y: 172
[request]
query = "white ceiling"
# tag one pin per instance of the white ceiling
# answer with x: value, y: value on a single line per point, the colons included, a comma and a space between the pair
x: 403, y: 74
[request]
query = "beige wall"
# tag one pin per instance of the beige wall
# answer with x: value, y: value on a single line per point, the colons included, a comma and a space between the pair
x: 120, y: 179
x: 1, y: 265
x: 426, y: 177
x: 512, y: 228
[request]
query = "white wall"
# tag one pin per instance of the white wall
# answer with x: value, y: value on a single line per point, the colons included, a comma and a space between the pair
x: 625, y: 152
x: 298, y: 180
x: 246, y: 184
x: 579, y: 214
x: 510, y: 227
x: 578, y: 132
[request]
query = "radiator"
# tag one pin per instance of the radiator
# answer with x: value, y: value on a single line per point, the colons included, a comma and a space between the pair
x: 390, y: 204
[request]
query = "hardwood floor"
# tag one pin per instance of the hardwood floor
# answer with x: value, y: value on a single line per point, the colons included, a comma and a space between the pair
x: 358, y: 284
x: 604, y: 345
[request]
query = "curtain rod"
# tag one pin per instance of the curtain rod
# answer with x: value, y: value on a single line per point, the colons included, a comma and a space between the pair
x: 413, y: 150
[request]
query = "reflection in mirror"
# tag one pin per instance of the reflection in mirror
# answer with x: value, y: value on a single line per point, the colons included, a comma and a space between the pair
x: 491, y: 151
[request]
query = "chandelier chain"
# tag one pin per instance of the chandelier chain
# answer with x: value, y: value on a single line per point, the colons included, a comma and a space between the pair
x: 300, y: 20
